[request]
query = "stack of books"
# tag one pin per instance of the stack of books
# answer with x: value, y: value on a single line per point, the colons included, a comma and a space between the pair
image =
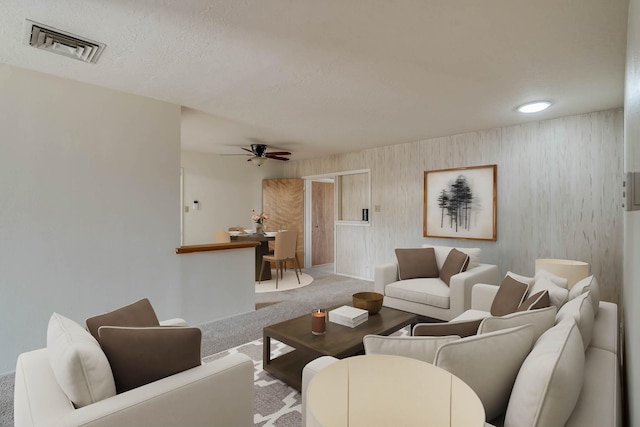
x: 348, y: 316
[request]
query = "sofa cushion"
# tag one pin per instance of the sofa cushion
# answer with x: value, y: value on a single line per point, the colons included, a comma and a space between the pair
x: 474, y: 256
x: 461, y: 329
x: 509, y: 296
x: 471, y: 314
x: 416, y: 263
x: 421, y: 348
x: 80, y: 366
x: 520, y: 278
x: 548, y: 384
x: 422, y: 291
x: 139, y: 356
x: 455, y: 263
x: 536, y: 301
x: 482, y: 362
x: 557, y: 294
x: 541, y: 320
x: 557, y: 280
x: 140, y: 313
x: 600, y: 392
x: 581, y: 310
x: 585, y: 285
x: 443, y: 251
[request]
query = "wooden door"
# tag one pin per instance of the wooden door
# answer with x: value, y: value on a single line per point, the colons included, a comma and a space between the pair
x: 322, y: 222
x: 283, y: 201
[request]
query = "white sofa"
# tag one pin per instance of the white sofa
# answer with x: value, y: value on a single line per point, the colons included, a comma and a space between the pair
x: 219, y: 393
x: 431, y: 297
x: 600, y: 401
x: 596, y: 370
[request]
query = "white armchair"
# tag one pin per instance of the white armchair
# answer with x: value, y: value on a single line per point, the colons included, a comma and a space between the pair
x: 431, y: 297
x: 72, y: 382
x: 213, y: 394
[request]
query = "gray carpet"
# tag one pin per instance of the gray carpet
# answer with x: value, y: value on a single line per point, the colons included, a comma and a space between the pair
x: 326, y: 290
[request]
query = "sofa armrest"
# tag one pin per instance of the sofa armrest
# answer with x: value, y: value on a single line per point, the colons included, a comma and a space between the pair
x: 482, y: 296
x: 37, y: 398
x: 308, y: 372
x: 461, y: 285
x: 383, y: 275
x: 605, y: 328
x: 174, y: 322
x: 219, y: 393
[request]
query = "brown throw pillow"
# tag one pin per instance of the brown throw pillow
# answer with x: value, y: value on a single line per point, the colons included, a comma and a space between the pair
x: 455, y: 263
x: 416, y: 262
x: 140, y: 313
x: 462, y: 329
x: 509, y: 296
x: 139, y: 356
x: 535, y: 301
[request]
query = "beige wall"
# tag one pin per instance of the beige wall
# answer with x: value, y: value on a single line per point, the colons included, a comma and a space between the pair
x: 89, y: 218
x: 227, y: 188
x: 631, y: 294
x: 558, y: 195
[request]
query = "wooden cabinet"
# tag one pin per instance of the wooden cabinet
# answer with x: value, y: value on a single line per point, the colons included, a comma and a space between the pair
x: 283, y: 201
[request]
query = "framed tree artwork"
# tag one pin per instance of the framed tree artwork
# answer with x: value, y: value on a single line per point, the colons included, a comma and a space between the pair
x: 461, y: 203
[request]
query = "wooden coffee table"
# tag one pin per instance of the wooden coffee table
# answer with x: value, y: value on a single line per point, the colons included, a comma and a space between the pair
x: 339, y: 341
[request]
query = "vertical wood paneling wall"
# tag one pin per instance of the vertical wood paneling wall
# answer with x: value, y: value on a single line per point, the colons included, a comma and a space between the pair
x: 559, y: 195
x: 283, y: 201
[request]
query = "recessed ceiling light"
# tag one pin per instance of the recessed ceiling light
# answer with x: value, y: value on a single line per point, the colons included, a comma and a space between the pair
x: 534, y: 107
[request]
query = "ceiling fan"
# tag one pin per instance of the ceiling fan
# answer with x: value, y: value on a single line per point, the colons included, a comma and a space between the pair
x: 259, y: 154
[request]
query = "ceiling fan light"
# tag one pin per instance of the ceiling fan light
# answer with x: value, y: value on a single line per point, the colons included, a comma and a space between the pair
x: 258, y: 160
x: 534, y: 107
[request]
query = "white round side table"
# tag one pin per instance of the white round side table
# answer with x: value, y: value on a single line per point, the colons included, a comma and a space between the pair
x: 382, y: 390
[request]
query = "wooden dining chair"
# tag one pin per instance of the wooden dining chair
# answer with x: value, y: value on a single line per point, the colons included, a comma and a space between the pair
x: 221, y: 236
x: 285, y: 250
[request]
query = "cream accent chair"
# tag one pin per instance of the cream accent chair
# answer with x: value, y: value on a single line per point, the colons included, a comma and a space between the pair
x: 221, y: 236
x: 285, y: 250
x: 213, y: 394
x: 218, y: 393
x: 431, y: 297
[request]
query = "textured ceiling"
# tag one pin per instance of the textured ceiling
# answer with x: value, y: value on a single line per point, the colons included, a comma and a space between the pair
x: 331, y: 76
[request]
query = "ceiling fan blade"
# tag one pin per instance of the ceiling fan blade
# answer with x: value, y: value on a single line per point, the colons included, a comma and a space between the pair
x: 270, y: 156
x: 279, y: 153
x: 246, y: 149
x: 241, y: 154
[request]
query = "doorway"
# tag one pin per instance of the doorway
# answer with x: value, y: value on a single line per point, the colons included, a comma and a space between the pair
x: 322, y: 222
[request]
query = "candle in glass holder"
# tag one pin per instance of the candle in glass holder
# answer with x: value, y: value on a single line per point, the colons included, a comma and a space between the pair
x: 318, y: 322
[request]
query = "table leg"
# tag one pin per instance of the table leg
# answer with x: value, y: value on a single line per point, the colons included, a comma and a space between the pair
x: 266, y: 350
x: 261, y: 251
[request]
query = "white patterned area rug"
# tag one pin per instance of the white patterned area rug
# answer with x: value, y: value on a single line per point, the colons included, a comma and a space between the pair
x: 275, y: 404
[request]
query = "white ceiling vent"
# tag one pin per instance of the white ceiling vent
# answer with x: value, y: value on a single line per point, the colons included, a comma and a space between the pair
x: 53, y: 40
